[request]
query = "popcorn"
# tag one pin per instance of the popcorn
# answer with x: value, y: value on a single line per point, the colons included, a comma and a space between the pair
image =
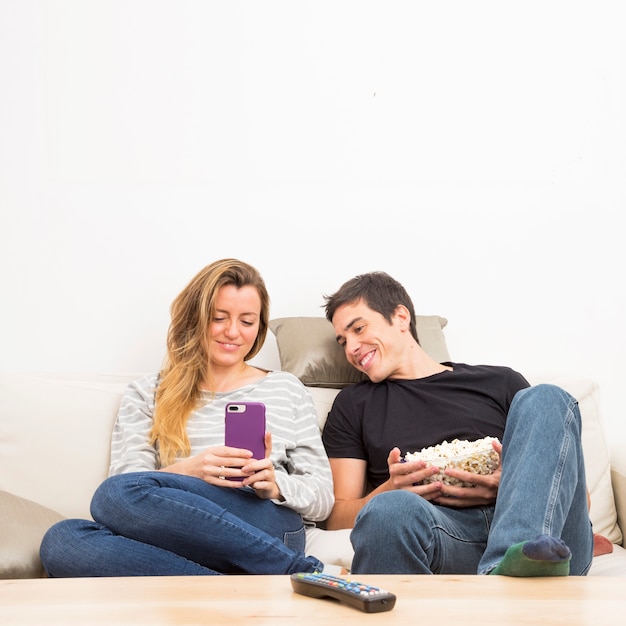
x: 477, y: 457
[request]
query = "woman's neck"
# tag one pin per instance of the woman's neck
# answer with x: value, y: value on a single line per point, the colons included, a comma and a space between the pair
x: 233, y: 378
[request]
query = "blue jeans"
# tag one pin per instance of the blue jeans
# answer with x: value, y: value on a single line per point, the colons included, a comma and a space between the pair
x: 542, y: 491
x: 162, y: 524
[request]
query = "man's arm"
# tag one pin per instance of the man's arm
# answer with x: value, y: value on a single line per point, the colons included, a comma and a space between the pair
x: 350, y: 480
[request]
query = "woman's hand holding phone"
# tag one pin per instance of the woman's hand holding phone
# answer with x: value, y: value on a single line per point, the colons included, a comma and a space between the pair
x: 263, y: 480
x: 214, y: 465
x: 244, y: 427
x: 244, y: 460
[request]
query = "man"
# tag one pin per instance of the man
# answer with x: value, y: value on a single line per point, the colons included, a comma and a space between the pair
x: 528, y: 518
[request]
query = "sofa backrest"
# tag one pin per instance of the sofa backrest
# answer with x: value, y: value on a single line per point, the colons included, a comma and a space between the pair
x: 55, y: 435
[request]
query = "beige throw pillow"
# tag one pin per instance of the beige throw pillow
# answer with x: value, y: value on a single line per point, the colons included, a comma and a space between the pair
x: 307, y: 348
x: 23, y: 524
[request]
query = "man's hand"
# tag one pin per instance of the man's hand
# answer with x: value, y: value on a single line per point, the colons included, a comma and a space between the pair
x: 483, y: 493
x: 409, y: 474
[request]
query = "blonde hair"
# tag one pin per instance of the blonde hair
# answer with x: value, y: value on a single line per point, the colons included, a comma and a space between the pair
x: 187, y: 364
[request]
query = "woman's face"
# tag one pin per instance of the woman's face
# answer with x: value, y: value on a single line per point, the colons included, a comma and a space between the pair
x: 235, y: 325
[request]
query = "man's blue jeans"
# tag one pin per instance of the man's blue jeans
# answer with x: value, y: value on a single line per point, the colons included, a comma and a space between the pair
x: 162, y: 524
x: 542, y: 491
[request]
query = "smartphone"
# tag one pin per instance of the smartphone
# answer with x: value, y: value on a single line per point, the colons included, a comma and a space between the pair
x: 244, y: 427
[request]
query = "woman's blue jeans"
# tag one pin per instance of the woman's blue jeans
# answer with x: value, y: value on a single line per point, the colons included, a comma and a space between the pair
x: 162, y: 524
x: 542, y: 491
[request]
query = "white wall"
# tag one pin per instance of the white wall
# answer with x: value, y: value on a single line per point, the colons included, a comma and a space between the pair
x: 475, y: 150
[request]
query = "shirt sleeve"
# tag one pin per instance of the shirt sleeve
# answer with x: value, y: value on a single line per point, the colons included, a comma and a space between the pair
x: 130, y: 447
x: 302, y: 468
x: 342, y: 435
x: 514, y: 382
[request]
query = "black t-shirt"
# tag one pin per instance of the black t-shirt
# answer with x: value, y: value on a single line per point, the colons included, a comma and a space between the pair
x: 368, y: 419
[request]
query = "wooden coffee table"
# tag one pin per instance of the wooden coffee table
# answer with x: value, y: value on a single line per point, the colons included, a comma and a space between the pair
x: 250, y: 600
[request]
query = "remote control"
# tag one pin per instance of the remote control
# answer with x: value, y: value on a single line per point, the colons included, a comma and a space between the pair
x: 359, y: 595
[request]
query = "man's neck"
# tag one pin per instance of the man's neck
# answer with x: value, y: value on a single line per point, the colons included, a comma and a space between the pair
x: 419, y: 365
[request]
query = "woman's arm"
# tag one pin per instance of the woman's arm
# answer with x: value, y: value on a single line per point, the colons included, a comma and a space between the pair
x: 302, y: 468
x: 130, y: 447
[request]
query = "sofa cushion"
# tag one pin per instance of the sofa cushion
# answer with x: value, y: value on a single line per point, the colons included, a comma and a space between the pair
x: 55, y: 436
x: 22, y: 526
x: 330, y: 546
x: 308, y: 349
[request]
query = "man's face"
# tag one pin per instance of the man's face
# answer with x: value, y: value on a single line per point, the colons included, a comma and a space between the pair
x: 371, y: 343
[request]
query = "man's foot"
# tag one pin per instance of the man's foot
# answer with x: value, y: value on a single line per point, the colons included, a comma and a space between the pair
x: 543, y: 556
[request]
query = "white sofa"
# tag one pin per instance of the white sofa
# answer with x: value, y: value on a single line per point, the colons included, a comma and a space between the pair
x: 55, y: 433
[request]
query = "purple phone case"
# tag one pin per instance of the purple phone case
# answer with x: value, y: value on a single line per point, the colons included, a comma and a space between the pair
x: 245, y: 427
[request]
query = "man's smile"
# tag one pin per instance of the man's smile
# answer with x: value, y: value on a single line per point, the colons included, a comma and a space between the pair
x: 367, y: 358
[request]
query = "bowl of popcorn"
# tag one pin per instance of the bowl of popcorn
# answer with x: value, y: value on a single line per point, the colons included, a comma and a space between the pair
x: 477, y: 457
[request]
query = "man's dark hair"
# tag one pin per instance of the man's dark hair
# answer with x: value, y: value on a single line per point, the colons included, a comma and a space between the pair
x: 378, y: 290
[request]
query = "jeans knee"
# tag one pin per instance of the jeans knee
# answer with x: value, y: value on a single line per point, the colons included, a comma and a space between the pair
x: 543, y: 398
x: 113, y: 498
x: 103, y: 495
x: 545, y: 393
x: 117, y: 495
x: 390, y: 510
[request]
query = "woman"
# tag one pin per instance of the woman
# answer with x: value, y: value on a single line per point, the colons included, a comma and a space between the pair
x: 167, y: 507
